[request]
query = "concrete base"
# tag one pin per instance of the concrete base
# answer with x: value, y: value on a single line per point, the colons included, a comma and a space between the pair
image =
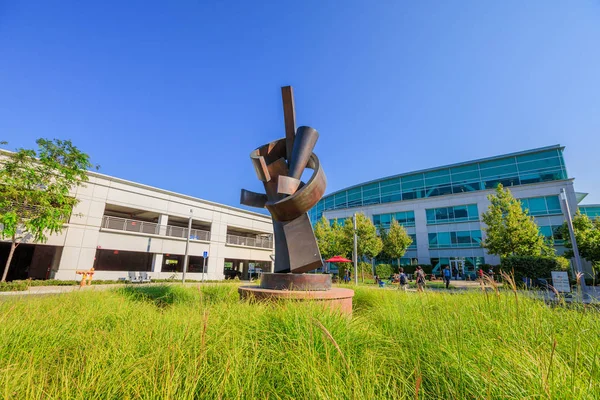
x: 337, y: 299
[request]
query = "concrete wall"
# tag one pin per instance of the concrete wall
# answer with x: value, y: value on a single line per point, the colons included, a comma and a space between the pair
x: 85, y: 234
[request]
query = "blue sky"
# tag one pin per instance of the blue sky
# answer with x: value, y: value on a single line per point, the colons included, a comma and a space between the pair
x: 177, y: 94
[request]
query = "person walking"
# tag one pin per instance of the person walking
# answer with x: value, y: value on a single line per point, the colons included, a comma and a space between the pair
x: 420, y: 277
x: 402, y: 279
x: 447, y: 275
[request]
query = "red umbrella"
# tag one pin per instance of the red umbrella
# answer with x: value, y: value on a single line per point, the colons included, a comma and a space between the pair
x: 336, y: 259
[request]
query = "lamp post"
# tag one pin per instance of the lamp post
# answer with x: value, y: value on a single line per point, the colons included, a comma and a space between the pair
x: 355, y: 252
x: 187, y: 247
x: 563, y: 197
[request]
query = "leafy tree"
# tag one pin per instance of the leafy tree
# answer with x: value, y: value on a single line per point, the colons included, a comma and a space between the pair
x: 35, y: 191
x: 587, y: 235
x: 511, y: 231
x: 323, y: 234
x: 368, y: 243
x: 331, y: 242
x: 395, y: 241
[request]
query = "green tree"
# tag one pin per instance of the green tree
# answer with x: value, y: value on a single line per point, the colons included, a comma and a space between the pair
x: 369, y: 244
x: 323, y: 234
x: 395, y: 241
x: 587, y: 235
x: 330, y: 238
x: 35, y: 191
x: 511, y: 231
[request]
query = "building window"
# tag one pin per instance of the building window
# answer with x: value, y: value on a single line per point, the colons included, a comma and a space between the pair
x: 548, y: 205
x: 448, y: 215
x: 553, y: 233
x: 459, y: 239
x: 404, y: 218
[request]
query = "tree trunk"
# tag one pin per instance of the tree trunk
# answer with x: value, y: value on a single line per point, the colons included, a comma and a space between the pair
x: 13, y: 246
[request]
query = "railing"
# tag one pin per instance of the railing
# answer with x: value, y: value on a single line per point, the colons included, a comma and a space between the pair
x: 195, y: 234
x: 130, y: 225
x: 266, y: 243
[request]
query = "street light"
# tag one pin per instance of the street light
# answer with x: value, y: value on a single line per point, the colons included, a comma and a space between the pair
x: 355, y: 253
x: 563, y: 197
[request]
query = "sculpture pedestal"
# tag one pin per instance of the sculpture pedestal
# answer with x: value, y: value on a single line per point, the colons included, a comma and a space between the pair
x: 300, y: 287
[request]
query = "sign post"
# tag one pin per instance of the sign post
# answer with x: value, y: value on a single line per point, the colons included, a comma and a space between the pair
x: 205, y: 256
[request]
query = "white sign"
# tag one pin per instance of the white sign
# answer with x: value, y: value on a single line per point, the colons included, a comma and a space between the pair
x: 560, y: 281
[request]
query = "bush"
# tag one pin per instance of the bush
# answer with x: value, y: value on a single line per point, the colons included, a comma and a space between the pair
x: 15, y: 286
x: 384, y: 270
x: 410, y: 269
x: 532, y: 266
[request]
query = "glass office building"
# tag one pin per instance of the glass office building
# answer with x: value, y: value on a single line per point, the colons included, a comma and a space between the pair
x: 441, y: 207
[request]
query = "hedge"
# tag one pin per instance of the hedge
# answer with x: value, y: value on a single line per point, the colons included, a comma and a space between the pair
x: 533, y: 267
x: 383, y: 271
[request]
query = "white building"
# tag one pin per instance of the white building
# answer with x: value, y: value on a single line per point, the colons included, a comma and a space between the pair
x: 125, y: 229
x: 441, y: 207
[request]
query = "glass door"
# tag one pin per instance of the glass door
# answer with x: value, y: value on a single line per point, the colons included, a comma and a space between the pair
x: 457, y: 268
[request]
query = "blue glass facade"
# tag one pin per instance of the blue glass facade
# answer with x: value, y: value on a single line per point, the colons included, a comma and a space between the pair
x: 592, y: 210
x: 445, y: 223
x: 448, y: 215
x: 534, y: 166
x: 404, y: 218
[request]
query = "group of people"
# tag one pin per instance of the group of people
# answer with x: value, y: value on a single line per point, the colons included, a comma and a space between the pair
x: 402, y: 278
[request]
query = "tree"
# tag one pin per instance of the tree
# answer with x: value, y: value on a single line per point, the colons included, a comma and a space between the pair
x: 330, y: 239
x: 511, y: 231
x: 587, y: 235
x: 35, y: 191
x: 395, y: 241
x: 368, y: 243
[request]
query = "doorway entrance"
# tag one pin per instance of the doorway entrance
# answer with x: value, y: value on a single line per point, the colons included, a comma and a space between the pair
x: 458, y: 269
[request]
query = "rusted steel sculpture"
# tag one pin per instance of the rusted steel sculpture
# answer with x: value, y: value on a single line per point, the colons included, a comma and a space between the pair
x: 279, y: 165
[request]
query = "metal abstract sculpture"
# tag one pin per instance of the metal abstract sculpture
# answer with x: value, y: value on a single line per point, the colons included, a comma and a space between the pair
x: 279, y: 165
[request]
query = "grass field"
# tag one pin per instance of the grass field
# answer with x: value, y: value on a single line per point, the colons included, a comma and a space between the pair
x: 167, y: 342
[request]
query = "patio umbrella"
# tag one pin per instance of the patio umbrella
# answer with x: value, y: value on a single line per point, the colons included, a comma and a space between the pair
x: 336, y: 259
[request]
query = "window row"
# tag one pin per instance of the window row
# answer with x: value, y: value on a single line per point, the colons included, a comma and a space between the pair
x: 547, y: 205
x: 446, y: 215
x: 591, y: 211
x: 442, y: 240
x: 404, y: 218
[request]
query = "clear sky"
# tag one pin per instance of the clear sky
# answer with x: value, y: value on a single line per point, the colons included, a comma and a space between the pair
x: 176, y: 94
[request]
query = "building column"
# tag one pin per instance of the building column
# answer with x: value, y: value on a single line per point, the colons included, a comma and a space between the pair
x: 157, y: 261
x: 157, y: 258
x: 422, y: 236
x: 163, y: 221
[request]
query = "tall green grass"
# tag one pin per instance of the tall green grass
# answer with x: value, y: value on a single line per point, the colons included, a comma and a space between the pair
x: 163, y: 342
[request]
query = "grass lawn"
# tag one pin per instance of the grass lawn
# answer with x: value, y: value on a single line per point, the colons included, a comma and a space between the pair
x: 164, y: 342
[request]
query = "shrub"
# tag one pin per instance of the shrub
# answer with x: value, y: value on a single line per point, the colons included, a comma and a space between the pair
x: 533, y: 266
x: 384, y: 270
x: 15, y: 286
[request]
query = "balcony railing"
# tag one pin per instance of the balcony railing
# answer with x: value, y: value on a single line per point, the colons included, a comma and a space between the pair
x: 151, y: 228
x: 266, y: 243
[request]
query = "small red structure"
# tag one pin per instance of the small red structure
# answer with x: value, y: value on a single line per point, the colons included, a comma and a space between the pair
x: 336, y: 259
